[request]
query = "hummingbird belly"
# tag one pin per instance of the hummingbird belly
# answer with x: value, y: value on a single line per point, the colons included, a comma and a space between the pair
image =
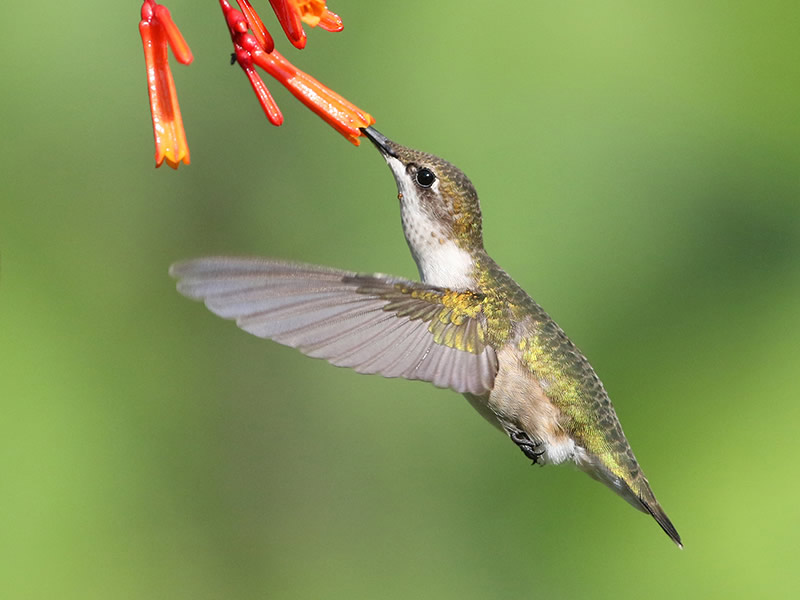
x: 517, y: 404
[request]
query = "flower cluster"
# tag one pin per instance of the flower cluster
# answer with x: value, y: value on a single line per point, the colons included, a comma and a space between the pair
x: 253, y: 47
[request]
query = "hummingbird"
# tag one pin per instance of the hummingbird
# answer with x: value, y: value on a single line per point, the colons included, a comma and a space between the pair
x: 467, y: 326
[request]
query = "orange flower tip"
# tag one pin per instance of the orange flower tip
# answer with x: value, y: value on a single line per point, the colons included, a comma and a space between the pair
x: 314, y: 13
x: 311, y: 12
x: 369, y: 122
x: 331, y: 22
x: 174, y: 155
x: 357, y: 133
x: 174, y: 163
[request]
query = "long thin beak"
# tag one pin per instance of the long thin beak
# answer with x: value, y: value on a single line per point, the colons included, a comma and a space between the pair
x: 381, y: 142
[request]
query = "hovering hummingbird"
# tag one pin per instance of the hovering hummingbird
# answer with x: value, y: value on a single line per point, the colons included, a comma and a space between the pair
x: 467, y: 326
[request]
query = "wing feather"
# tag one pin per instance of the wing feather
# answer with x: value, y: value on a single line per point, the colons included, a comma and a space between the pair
x: 371, y: 323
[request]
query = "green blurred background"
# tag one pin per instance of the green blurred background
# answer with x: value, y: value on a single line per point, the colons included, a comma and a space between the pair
x: 639, y: 168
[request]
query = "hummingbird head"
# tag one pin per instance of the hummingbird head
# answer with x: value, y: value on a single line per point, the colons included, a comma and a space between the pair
x: 440, y: 212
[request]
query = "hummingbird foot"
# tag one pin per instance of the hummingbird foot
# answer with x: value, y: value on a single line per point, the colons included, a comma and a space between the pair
x: 527, y: 445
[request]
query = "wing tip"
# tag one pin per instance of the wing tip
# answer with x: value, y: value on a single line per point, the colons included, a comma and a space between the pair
x: 176, y: 269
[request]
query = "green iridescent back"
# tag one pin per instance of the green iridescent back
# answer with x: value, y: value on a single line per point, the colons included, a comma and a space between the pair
x: 569, y: 380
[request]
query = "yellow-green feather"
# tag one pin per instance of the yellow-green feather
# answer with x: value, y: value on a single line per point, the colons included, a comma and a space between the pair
x: 565, y: 374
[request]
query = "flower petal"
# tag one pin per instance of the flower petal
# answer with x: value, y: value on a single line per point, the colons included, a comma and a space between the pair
x: 264, y: 97
x: 257, y: 26
x: 289, y: 18
x: 331, y: 22
x: 176, y: 42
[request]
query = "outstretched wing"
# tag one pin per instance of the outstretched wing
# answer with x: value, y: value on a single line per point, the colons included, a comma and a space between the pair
x: 371, y: 323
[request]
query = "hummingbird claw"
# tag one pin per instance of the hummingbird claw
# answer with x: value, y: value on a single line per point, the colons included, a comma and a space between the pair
x: 527, y: 445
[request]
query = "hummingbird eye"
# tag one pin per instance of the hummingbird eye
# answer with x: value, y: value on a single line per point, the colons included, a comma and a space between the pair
x: 425, y: 177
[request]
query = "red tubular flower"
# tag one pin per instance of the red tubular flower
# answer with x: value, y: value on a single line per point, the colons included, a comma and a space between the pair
x: 345, y: 117
x: 342, y: 115
x: 158, y: 30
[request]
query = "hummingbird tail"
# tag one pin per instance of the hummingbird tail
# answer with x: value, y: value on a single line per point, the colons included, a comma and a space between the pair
x: 635, y: 491
x: 652, y: 506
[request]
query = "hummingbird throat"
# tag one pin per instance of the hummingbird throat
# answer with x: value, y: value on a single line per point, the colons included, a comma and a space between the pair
x: 441, y: 261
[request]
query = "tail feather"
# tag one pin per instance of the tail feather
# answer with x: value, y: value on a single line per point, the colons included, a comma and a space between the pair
x: 654, y: 508
x: 636, y: 492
